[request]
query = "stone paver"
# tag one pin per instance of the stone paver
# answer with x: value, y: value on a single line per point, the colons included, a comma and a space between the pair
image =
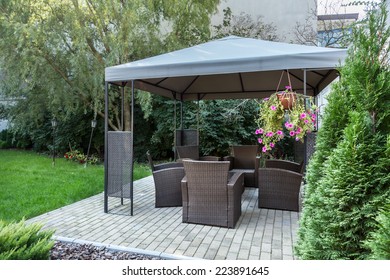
x: 261, y: 234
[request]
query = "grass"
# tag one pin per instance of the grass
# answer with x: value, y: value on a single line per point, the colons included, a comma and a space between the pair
x: 30, y: 185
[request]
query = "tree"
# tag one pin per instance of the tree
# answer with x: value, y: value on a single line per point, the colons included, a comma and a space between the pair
x: 53, y: 53
x: 348, y: 179
x: 245, y: 26
x: 332, y: 29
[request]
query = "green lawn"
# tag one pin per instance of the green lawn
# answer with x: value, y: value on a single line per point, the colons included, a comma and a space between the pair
x: 30, y: 185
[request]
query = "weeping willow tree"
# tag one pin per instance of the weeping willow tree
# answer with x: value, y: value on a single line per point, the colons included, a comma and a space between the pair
x: 53, y: 53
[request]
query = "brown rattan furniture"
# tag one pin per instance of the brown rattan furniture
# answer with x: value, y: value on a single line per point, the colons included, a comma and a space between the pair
x: 192, y: 152
x: 284, y: 164
x: 211, y: 196
x: 167, y: 181
x: 244, y: 159
x: 279, y: 189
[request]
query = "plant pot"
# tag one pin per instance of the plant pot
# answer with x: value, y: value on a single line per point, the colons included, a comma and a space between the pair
x: 287, y: 99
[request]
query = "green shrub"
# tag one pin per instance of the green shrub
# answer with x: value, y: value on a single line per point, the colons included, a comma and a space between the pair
x: 379, y: 243
x: 4, y: 145
x: 348, y: 178
x: 19, y: 241
x: 5, y: 139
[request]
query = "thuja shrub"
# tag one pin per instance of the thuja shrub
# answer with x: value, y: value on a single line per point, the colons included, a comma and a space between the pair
x: 348, y: 178
x: 21, y: 241
x: 379, y: 243
x: 335, y: 119
x: 353, y: 188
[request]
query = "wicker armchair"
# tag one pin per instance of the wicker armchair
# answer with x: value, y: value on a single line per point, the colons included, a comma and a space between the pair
x: 192, y: 152
x: 167, y: 179
x: 279, y: 189
x: 284, y: 164
x: 244, y: 159
x: 211, y: 196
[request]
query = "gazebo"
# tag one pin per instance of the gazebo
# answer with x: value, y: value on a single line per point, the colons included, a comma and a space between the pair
x: 227, y: 68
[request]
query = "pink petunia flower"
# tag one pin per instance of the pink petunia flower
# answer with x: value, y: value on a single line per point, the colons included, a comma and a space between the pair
x: 271, y: 145
x: 260, y: 140
x: 292, y: 133
x: 270, y: 134
x: 288, y: 125
x: 299, y: 130
x: 306, y: 121
x: 264, y: 149
x: 279, y: 132
x: 288, y: 87
x: 273, y: 108
x: 302, y: 116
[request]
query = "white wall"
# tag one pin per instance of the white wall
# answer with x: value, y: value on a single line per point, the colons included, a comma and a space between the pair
x: 282, y: 13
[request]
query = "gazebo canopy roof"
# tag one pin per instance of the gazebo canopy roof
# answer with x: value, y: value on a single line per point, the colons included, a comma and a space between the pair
x: 231, y: 68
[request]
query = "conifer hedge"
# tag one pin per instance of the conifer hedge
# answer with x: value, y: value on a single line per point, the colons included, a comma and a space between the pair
x: 348, y: 177
x: 379, y: 243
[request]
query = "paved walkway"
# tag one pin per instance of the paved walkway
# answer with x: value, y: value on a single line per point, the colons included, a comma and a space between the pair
x: 259, y: 233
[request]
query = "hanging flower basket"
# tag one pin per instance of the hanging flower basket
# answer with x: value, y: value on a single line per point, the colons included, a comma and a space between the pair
x: 287, y: 99
x: 296, y: 118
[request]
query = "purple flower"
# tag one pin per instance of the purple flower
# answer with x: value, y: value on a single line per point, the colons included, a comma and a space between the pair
x: 296, y: 139
x: 299, y: 130
x: 292, y: 133
x: 271, y: 145
x: 260, y: 140
x: 265, y: 99
x: 306, y: 121
x: 273, y: 108
x: 288, y: 87
x: 303, y: 115
x: 264, y: 149
x: 269, y: 134
x: 279, y: 132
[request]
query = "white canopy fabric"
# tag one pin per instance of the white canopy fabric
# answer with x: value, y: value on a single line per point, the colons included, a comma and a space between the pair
x: 231, y: 68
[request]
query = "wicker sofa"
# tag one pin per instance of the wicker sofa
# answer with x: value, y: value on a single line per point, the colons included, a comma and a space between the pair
x: 284, y: 164
x: 211, y: 195
x: 167, y: 181
x: 279, y: 189
x: 244, y: 159
x: 192, y: 152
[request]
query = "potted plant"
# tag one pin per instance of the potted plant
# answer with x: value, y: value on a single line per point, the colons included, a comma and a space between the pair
x: 279, y: 118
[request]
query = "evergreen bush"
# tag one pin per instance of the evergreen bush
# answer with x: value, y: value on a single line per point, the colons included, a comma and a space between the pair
x: 379, y: 243
x: 20, y: 241
x: 348, y: 176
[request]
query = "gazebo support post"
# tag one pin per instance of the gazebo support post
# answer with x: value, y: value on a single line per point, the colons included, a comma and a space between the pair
x: 132, y: 148
x: 174, y: 126
x: 305, y: 93
x: 105, y: 147
x: 181, y: 119
x: 122, y: 119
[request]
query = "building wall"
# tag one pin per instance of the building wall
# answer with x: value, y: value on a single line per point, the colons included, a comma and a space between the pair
x: 282, y: 13
x: 388, y: 12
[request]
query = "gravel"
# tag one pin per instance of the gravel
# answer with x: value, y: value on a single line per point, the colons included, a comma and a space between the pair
x: 74, y: 251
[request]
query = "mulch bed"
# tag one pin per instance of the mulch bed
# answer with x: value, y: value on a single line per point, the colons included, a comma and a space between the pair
x: 73, y: 251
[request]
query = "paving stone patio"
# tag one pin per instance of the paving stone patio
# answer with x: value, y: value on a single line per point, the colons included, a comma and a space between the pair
x: 259, y: 234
